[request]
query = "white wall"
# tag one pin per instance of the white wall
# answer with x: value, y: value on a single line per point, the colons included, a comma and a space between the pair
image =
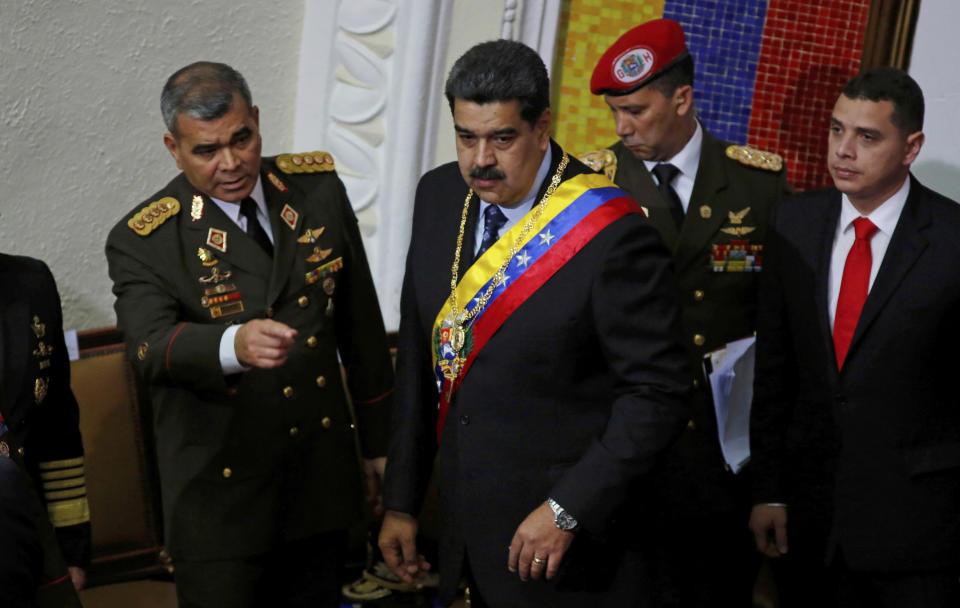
x: 933, y: 64
x: 80, y: 126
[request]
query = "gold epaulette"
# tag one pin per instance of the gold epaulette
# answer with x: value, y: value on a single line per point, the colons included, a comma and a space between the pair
x: 308, y: 162
x: 752, y: 157
x: 153, y: 215
x: 601, y: 160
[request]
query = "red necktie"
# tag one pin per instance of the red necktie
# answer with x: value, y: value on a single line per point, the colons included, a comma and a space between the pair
x: 853, y: 288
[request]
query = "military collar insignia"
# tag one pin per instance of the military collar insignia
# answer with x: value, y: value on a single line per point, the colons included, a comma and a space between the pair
x: 217, y: 239
x: 289, y: 216
x: 206, y: 258
x: 279, y: 185
x: 196, y: 208
x: 153, y: 215
x: 310, y: 235
x: 752, y: 157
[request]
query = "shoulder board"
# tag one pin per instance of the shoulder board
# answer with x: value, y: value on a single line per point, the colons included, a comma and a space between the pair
x: 308, y: 162
x: 752, y: 157
x: 603, y: 160
x: 153, y: 215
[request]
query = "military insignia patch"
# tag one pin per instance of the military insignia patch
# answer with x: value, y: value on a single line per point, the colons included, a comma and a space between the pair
x: 289, y: 216
x: 739, y: 256
x: 310, y: 235
x: 319, y: 255
x: 324, y: 271
x: 329, y: 285
x: 706, y: 212
x: 40, y: 386
x: 279, y: 185
x: 43, y: 350
x: 39, y: 329
x: 226, y: 310
x: 217, y: 239
x: 153, y: 215
x: 736, y: 220
x: 206, y: 258
x: 633, y: 65
x: 216, y: 276
x: 208, y: 301
x: 196, y: 208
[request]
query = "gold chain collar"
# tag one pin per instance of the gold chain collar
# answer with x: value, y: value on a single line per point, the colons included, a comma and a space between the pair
x: 459, y: 334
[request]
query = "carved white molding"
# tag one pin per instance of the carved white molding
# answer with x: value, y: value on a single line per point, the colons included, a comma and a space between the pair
x: 534, y: 23
x: 370, y: 78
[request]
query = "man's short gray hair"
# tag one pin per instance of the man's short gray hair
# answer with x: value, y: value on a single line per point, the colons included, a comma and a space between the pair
x: 203, y: 90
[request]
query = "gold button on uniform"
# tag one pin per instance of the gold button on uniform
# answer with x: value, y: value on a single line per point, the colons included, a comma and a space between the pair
x: 288, y: 391
x: 353, y: 426
x: 321, y: 381
x: 326, y: 422
x: 698, y: 339
x: 691, y: 425
x: 696, y: 383
x: 312, y: 342
x: 698, y: 295
x: 303, y: 301
x: 270, y: 312
x: 20, y: 450
x: 293, y: 431
x: 227, y: 473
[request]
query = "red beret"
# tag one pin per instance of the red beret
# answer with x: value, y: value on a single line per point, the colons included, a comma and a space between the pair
x: 638, y: 57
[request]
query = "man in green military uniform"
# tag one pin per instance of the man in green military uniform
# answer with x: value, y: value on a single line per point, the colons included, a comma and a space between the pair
x: 710, y: 201
x: 238, y: 284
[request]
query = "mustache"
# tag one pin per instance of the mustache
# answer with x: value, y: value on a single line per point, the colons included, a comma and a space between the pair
x: 487, y: 173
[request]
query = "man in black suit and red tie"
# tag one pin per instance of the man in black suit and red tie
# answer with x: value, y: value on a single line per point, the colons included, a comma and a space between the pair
x: 855, y: 427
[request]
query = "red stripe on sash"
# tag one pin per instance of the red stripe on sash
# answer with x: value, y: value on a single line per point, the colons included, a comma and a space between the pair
x: 526, y: 284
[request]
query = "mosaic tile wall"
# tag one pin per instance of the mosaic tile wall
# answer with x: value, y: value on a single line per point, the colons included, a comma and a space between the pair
x: 810, y: 50
x: 767, y: 71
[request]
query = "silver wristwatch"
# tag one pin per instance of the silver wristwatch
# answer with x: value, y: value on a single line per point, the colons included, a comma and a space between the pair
x: 564, y: 520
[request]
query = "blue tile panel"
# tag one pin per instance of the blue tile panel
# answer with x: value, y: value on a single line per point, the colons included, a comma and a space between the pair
x: 724, y: 37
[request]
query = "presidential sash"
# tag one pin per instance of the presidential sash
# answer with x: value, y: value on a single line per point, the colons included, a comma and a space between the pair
x: 580, y: 208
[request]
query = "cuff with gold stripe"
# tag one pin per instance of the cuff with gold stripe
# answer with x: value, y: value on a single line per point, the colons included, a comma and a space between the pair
x: 65, y: 491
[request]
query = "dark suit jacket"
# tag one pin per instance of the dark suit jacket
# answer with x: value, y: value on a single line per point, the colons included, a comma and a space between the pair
x: 720, y: 307
x: 571, y: 399
x: 39, y: 431
x: 252, y: 459
x: 867, y: 458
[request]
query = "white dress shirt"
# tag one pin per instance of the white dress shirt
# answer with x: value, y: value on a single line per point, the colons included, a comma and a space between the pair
x: 688, y: 161
x: 885, y: 218
x: 515, y: 213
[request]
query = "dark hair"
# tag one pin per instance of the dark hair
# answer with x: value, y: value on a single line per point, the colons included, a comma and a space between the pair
x: 893, y: 85
x: 677, y: 75
x: 501, y: 70
x: 203, y: 90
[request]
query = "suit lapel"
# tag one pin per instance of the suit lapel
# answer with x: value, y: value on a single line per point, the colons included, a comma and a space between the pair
x: 906, y: 245
x: 241, y: 250
x: 632, y: 176
x: 284, y: 237
x: 824, y: 245
x: 698, y: 231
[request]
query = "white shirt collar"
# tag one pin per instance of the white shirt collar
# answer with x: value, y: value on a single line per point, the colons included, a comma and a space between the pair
x: 884, y: 217
x: 687, y: 159
x: 233, y: 209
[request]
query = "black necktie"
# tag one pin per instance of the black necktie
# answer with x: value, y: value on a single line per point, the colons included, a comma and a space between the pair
x: 665, y: 173
x: 493, y: 221
x: 248, y: 209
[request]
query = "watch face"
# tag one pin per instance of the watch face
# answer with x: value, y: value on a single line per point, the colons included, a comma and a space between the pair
x: 565, y: 521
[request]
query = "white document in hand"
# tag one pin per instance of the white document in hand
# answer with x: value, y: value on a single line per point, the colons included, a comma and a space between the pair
x: 730, y: 372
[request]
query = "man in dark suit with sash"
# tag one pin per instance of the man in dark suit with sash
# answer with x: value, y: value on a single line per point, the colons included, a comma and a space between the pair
x: 238, y: 286
x: 856, y: 416
x: 539, y: 347
x: 709, y: 200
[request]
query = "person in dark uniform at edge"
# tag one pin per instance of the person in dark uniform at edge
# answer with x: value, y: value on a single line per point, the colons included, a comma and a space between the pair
x: 555, y: 361
x: 237, y: 285
x: 44, y: 513
x: 706, y: 198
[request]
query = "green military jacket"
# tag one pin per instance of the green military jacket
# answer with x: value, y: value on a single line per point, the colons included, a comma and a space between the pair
x: 252, y: 459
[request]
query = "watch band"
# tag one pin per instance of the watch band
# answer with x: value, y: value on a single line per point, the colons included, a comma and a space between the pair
x: 561, y: 517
